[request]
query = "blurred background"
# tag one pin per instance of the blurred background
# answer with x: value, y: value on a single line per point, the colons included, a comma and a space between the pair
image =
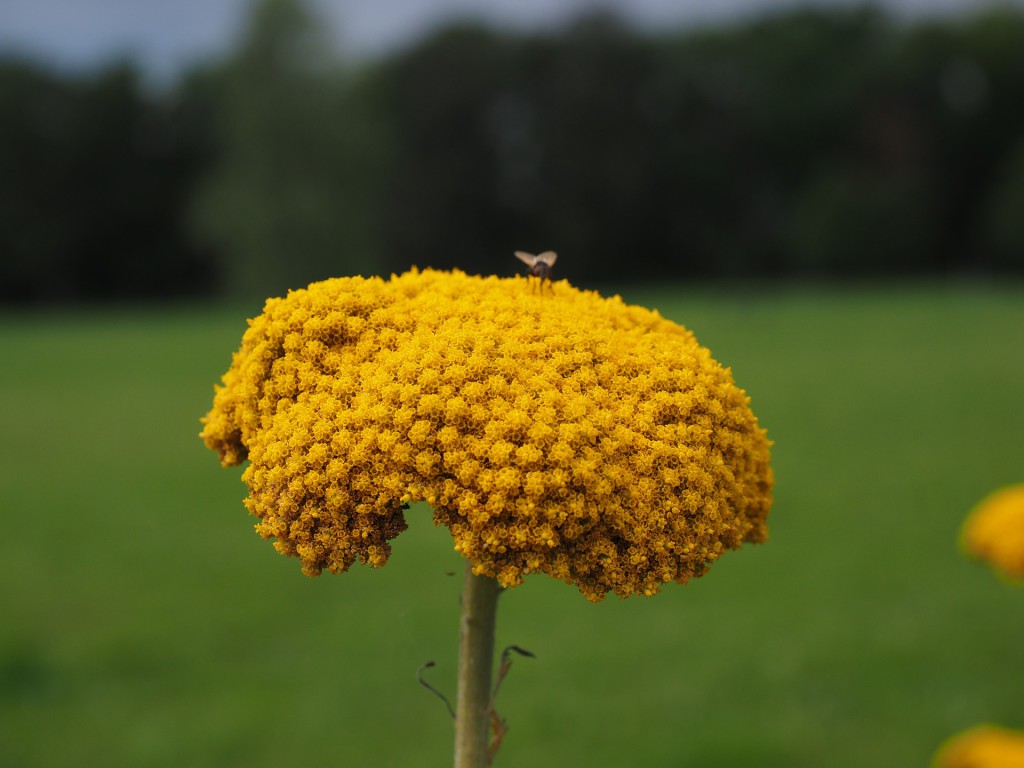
x: 830, y: 195
x: 233, y: 147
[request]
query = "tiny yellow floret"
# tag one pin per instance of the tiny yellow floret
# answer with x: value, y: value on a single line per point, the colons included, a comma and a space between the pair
x: 994, y: 531
x: 563, y: 433
x: 986, y: 746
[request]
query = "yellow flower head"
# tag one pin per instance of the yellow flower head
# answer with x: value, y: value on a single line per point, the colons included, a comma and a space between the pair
x: 562, y: 433
x: 994, y: 531
x: 983, y: 747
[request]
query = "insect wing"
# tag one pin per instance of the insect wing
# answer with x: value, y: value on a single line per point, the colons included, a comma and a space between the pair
x: 548, y: 257
x: 527, y: 258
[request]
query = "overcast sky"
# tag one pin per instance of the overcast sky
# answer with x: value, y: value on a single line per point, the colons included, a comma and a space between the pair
x: 164, y: 35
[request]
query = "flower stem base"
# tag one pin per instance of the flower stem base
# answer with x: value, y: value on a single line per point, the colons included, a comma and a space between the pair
x: 476, y: 662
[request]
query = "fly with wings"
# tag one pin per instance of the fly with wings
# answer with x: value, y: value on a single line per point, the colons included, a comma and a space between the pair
x: 540, y: 266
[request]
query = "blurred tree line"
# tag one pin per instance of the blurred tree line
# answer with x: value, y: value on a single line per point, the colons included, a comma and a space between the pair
x: 812, y: 142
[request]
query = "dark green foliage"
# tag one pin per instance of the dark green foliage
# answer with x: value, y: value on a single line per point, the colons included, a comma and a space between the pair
x: 287, y: 200
x: 825, y: 142
x: 95, y: 180
x: 1003, y: 227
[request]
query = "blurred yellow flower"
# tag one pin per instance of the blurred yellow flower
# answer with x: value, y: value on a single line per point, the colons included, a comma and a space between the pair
x: 994, y: 531
x: 986, y: 746
x: 562, y: 433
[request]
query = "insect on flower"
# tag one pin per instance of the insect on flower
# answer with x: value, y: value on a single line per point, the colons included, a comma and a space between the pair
x: 540, y: 265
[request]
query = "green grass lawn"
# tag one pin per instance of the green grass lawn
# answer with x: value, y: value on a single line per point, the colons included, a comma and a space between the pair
x: 144, y: 623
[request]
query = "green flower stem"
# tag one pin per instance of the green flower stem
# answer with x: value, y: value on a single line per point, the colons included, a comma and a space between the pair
x: 476, y: 661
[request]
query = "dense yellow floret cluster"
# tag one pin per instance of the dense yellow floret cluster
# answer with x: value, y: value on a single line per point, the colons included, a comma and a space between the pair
x: 983, y: 747
x: 557, y: 432
x: 994, y: 531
